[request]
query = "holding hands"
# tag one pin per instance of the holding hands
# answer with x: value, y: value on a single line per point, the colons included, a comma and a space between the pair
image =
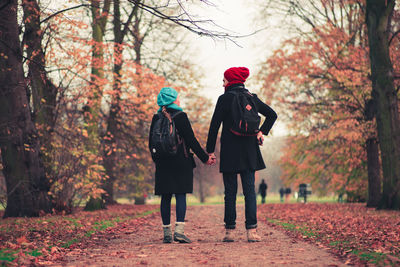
x: 212, y: 159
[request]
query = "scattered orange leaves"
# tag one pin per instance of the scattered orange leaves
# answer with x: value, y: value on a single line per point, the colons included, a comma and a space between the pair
x: 352, y: 231
x: 44, y: 240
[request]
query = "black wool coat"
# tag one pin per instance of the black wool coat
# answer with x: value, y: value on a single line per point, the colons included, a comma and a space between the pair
x: 175, y: 175
x: 238, y: 153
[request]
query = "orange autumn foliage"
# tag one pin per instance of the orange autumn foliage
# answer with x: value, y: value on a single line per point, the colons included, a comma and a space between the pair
x: 320, y: 82
x: 79, y: 173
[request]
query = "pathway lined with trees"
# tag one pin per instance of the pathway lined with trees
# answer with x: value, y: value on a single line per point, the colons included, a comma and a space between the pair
x: 78, y: 88
x: 78, y: 84
x: 132, y: 234
x: 142, y: 245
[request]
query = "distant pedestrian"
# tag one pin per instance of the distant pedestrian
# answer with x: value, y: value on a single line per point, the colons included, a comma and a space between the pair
x: 282, y: 193
x: 174, y: 174
x: 262, y: 190
x: 240, y: 153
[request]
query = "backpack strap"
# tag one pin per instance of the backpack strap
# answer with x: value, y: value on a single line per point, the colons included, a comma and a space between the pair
x: 176, y: 113
x: 172, y: 116
x: 167, y: 114
x: 180, y: 139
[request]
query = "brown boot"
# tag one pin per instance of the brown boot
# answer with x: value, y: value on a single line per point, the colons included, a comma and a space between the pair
x: 228, y: 235
x: 252, y: 235
x: 167, y: 234
x: 179, y: 235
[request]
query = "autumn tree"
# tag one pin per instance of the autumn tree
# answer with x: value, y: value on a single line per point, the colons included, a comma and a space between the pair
x: 27, y: 186
x: 42, y: 91
x: 120, y: 30
x: 71, y: 170
x: 321, y: 77
x: 99, y: 17
x: 153, y: 40
x: 47, y: 100
x: 98, y: 112
x: 125, y: 120
x: 348, y: 13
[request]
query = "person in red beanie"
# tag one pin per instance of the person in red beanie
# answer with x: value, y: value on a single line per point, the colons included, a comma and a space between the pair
x: 235, y: 75
x: 240, y: 154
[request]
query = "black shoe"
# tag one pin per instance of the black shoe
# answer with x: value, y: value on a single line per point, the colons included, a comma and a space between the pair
x: 181, y: 238
x: 167, y: 239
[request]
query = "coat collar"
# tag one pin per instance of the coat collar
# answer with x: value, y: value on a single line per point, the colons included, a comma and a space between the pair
x: 236, y: 86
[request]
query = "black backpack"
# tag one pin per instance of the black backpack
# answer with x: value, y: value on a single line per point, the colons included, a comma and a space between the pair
x: 246, y: 121
x: 164, y: 140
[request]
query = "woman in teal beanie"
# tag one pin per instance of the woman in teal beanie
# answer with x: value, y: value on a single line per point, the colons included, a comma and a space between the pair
x: 174, y: 175
x: 168, y: 97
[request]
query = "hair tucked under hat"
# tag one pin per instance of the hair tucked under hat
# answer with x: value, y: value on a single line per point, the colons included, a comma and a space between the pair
x: 236, y: 75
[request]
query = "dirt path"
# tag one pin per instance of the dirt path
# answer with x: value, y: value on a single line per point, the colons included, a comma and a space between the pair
x: 143, y: 245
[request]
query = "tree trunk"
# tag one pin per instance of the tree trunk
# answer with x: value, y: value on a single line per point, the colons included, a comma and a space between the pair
x: 27, y: 186
x: 374, y: 173
x: 92, y: 112
x: 201, y: 191
x: 110, y: 142
x: 44, y: 92
x: 378, y: 13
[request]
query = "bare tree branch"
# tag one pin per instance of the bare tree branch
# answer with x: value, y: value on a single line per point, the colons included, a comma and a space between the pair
x: 62, y: 11
x: 185, y: 20
x: 393, y: 36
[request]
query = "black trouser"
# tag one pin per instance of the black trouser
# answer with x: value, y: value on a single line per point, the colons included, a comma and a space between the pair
x: 230, y: 183
x: 165, y: 208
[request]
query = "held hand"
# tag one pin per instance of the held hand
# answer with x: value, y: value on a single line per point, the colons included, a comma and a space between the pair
x: 212, y: 159
x: 260, y: 138
x: 212, y: 155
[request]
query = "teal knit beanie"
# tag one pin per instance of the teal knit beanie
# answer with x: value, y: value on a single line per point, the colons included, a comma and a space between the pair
x: 166, y: 97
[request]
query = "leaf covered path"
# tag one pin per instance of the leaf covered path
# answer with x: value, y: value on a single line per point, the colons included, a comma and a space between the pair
x: 142, y: 245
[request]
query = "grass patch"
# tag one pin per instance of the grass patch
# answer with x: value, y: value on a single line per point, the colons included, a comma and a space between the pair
x: 35, y: 253
x: 272, y: 198
x: 305, y: 231
x: 90, y: 233
x: 102, y: 225
x: 338, y: 243
x: 75, y: 222
x: 70, y: 242
x: 99, y: 226
x: 371, y: 256
x: 146, y: 213
x: 7, y: 255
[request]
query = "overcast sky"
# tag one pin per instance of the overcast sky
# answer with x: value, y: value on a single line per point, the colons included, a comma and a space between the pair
x: 216, y: 56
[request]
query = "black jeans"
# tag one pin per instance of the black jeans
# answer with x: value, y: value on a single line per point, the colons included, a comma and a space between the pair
x: 230, y: 183
x: 165, y: 208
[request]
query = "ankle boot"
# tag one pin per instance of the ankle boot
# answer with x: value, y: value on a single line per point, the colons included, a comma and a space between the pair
x: 179, y: 235
x: 228, y: 235
x: 167, y: 233
x: 252, y: 235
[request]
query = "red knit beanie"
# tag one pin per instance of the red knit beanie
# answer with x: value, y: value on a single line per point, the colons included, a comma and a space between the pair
x: 236, y: 75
